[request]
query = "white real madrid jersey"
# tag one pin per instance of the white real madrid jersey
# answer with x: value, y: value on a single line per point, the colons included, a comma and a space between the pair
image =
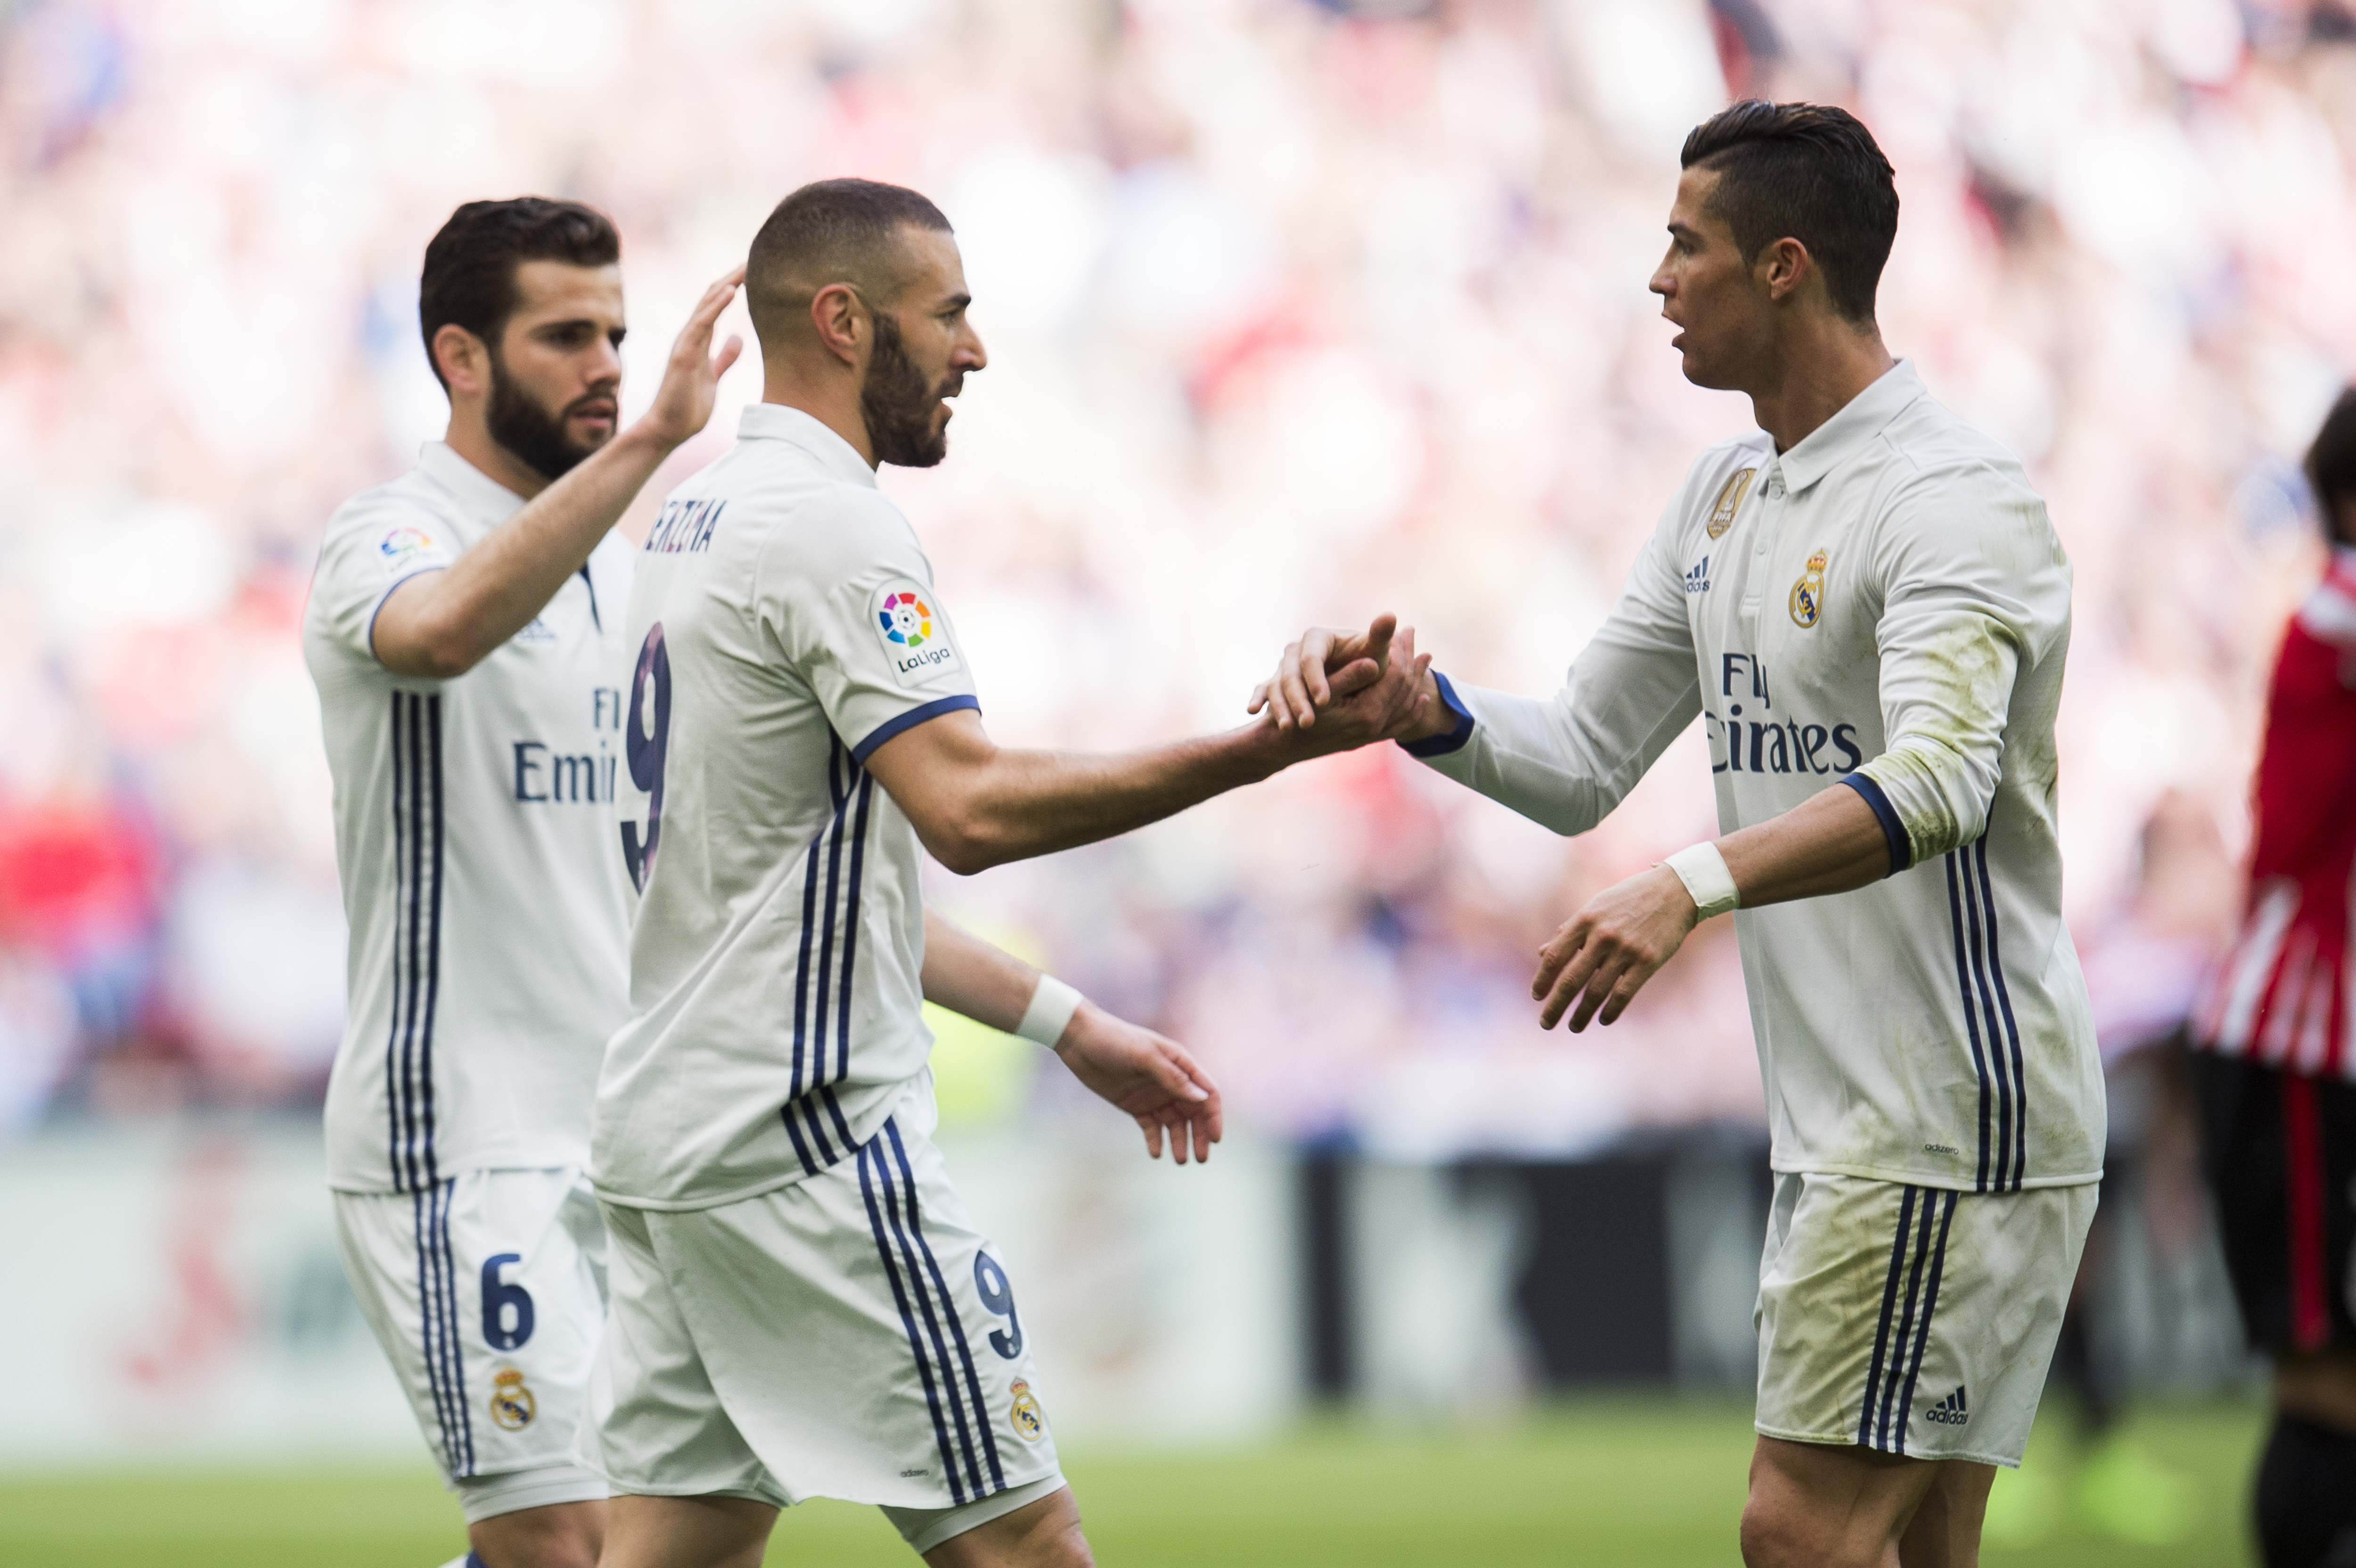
x: 784, y: 627
x: 475, y: 837
x: 1885, y: 607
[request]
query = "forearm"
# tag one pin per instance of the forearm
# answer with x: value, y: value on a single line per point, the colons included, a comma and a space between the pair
x: 1022, y: 804
x: 973, y: 978
x: 445, y: 623
x: 1830, y: 843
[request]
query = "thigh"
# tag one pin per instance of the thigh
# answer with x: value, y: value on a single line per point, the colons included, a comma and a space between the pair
x: 1914, y: 1321
x: 488, y: 1303
x: 864, y: 1336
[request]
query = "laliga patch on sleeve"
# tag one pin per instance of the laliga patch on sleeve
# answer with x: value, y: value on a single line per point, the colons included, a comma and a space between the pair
x: 916, y: 638
x: 405, y: 548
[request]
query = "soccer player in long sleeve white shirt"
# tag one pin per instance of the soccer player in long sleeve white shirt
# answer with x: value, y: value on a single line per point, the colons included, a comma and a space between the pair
x: 1869, y: 610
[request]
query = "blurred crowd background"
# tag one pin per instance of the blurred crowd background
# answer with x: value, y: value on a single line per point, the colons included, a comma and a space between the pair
x: 1297, y: 312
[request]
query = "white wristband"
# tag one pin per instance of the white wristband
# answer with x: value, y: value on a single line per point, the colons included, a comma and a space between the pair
x: 1703, y: 872
x: 1052, y: 1007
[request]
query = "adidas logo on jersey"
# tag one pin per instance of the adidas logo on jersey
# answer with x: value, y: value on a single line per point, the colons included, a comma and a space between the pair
x: 1697, y: 577
x: 1950, y: 1411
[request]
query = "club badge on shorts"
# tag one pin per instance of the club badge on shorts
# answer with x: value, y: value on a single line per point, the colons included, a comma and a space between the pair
x: 512, y: 1404
x: 1030, y: 1421
x: 915, y: 637
x: 1729, y: 501
x: 1808, y: 593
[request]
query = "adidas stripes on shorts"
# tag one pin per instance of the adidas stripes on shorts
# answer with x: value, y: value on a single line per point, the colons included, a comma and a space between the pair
x: 851, y: 1335
x: 1914, y: 1320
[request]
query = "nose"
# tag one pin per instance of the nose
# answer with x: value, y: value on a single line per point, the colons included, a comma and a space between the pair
x: 968, y: 355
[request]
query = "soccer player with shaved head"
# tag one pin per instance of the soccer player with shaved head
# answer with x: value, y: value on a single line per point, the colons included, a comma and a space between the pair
x: 1866, y: 608
x: 802, y: 1306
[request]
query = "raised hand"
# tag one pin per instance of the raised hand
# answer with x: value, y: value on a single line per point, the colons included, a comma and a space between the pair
x: 690, y: 382
x: 1149, y: 1077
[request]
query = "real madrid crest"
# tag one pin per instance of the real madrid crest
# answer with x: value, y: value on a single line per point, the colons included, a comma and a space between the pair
x: 1030, y: 1421
x: 1808, y: 593
x: 512, y: 1404
x: 1729, y: 501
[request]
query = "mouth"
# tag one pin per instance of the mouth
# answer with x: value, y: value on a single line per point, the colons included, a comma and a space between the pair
x: 597, y: 413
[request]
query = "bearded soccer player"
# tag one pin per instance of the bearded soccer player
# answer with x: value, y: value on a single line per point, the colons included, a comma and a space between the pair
x: 464, y: 632
x: 1865, y: 606
x: 801, y: 1305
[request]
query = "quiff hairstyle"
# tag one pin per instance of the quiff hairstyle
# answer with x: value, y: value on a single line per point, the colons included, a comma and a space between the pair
x: 2331, y: 465
x: 1806, y: 172
x: 469, y: 279
x: 827, y: 232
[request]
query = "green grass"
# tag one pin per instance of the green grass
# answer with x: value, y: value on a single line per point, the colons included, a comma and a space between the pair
x: 1621, y: 1483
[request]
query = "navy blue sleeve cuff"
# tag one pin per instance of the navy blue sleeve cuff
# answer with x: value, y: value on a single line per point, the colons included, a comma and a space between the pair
x: 1901, y: 850
x: 909, y: 720
x: 1440, y: 745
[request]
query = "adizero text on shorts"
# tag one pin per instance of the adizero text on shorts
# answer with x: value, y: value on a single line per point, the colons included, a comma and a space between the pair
x: 1913, y: 1321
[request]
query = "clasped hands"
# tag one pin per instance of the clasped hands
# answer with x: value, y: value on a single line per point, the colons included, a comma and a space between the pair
x: 1372, y: 686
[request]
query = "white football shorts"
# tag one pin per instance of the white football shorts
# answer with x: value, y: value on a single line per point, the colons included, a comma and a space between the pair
x: 1913, y: 1321
x: 488, y: 1291
x: 849, y: 1336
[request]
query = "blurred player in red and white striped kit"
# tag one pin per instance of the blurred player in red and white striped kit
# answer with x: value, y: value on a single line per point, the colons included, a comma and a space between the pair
x: 2277, y: 1070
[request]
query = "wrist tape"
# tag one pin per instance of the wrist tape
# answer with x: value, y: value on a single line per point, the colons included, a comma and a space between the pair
x: 1703, y: 872
x: 1052, y: 1007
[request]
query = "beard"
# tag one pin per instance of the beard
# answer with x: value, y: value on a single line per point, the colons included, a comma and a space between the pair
x: 898, y: 403
x: 531, y: 434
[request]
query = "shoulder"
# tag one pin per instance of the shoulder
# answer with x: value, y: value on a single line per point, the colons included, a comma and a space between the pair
x: 1927, y: 447
x: 389, y: 522
x: 826, y: 531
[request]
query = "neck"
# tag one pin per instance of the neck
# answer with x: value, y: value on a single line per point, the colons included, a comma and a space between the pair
x: 1822, y: 364
x: 470, y: 438
x: 831, y: 400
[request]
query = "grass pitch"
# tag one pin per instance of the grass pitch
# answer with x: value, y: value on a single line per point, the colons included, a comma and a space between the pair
x: 1615, y: 1483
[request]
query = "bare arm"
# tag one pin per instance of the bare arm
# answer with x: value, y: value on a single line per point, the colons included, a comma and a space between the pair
x: 975, y: 805
x: 1830, y: 843
x: 1151, y: 1078
x: 442, y: 623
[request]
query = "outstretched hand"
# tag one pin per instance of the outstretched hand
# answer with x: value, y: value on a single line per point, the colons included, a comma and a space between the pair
x: 1325, y: 664
x: 690, y: 382
x: 1149, y: 1077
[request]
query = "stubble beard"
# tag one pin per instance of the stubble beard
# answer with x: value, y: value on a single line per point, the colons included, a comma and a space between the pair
x: 896, y: 402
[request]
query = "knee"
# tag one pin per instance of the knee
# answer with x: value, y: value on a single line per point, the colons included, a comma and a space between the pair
x: 1782, y: 1537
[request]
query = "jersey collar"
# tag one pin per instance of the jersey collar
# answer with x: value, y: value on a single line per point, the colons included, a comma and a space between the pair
x: 481, y: 494
x: 775, y: 422
x: 1845, y: 434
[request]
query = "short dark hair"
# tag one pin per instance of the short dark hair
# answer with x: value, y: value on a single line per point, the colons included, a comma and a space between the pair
x: 2331, y: 465
x: 470, y: 263
x: 1806, y: 172
x: 833, y: 231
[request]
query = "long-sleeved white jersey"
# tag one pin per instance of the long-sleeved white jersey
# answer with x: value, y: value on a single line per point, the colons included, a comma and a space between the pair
x: 1884, y: 607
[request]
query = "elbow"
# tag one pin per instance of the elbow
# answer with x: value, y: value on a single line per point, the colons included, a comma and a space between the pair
x: 965, y: 847
x: 441, y: 655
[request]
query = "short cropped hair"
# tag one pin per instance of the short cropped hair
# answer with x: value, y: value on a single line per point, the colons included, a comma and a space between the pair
x: 833, y: 231
x: 2331, y: 465
x: 470, y: 263
x: 1804, y: 172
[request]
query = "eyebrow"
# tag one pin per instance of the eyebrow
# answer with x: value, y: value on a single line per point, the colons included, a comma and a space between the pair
x: 956, y: 302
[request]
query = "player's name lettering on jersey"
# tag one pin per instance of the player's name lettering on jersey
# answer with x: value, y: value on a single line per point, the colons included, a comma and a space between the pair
x: 544, y: 775
x: 910, y: 662
x: 685, y: 527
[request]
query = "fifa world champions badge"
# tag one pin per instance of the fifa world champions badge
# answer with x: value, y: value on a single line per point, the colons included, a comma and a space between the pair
x: 1729, y: 501
x: 914, y: 633
x: 1808, y: 593
x: 1030, y: 1421
x: 512, y: 1404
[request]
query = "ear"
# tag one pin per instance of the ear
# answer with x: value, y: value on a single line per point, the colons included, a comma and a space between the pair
x: 839, y: 319
x: 1782, y: 266
x: 465, y: 359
